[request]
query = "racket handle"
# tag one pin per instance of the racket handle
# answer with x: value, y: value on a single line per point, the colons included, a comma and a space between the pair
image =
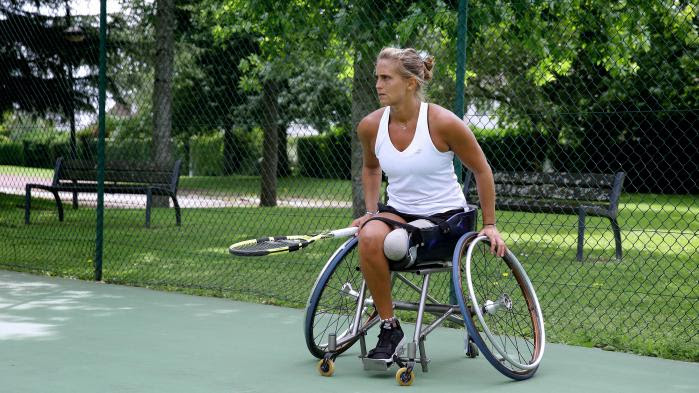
x: 345, y: 232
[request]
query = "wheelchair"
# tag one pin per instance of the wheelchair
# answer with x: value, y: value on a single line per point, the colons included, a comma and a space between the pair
x: 490, y: 296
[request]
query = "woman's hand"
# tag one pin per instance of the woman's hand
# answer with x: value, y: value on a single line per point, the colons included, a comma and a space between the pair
x: 358, y: 222
x: 497, y: 245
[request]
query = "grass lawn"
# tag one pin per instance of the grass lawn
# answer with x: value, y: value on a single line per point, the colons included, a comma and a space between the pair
x: 645, y: 303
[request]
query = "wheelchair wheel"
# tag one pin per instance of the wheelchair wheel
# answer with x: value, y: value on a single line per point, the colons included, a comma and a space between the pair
x: 505, y: 317
x: 333, y: 302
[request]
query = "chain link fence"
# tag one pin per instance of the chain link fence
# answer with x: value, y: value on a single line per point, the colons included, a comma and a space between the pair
x: 243, y: 115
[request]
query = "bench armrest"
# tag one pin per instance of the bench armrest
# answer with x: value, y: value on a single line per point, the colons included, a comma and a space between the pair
x: 615, y: 194
x: 174, y: 182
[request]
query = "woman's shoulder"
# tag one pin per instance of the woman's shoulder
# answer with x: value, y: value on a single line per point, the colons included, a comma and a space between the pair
x: 441, y: 118
x: 370, y: 122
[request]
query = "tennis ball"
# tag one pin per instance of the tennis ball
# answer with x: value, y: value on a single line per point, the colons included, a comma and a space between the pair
x: 395, y: 246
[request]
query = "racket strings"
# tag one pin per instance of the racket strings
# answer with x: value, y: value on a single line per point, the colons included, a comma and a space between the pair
x: 266, y: 244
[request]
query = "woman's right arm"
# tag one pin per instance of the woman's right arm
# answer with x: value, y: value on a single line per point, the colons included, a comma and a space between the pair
x: 371, y: 170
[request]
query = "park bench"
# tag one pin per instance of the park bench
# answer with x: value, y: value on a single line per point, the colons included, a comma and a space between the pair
x: 80, y: 176
x: 581, y: 194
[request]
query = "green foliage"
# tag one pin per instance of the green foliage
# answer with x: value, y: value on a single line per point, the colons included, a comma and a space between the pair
x: 613, y: 84
x: 36, y: 58
x: 512, y: 150
x: 11, y: 152
x: 242, y: 151
x: 325, y: 156
x: 318, y: 97
x: 130, y: 150
x: 207, y: 153
x: 40, y: 150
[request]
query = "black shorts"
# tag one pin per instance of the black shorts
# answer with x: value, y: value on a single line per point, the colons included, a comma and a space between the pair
x: 411, y: 217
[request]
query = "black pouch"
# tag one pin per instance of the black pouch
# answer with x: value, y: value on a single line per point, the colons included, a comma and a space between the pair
x: 438, y: 242
x: 433, y: 243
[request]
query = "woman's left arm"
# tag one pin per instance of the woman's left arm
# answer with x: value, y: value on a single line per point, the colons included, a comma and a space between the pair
x: 456, y: 135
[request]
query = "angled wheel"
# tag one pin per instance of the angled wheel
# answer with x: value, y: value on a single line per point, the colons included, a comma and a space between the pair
x: 405, y: 377
x: 506, y: 321
x: 326, y: 367
x: 333, y: 302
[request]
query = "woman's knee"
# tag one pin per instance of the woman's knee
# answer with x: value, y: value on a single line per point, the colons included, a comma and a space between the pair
x: 372, y: 235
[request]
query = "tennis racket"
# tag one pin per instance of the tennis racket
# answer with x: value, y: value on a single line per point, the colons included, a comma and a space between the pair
x: 280, y: 244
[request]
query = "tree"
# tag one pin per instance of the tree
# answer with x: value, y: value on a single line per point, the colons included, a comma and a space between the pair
x: 207, y: 94
x: 162, y: 84
x: 338, y: 41
x: 593, y: 79
x: 267, y: 73
x: 35, y: 56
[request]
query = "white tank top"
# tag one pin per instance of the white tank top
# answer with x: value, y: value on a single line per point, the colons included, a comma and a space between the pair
x: 421, y: 179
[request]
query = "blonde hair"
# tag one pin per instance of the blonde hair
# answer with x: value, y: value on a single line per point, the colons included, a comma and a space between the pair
x: 410, y: 65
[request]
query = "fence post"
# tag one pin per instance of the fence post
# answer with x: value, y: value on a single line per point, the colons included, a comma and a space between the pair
x: 459, y: 100
x: 100, y: 141
x: 460, y: 71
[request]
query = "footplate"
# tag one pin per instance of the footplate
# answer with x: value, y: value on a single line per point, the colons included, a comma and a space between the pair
x: 382, y: 364
x: 376, y: 364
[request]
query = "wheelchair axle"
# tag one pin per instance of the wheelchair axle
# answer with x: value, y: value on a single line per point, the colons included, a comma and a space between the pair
x: 491, y: 307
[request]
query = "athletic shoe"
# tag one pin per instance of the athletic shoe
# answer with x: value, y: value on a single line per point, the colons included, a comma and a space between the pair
x: 390, y: 337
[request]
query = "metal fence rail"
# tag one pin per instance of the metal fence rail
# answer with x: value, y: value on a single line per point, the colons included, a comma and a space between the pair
x: 259, y: 100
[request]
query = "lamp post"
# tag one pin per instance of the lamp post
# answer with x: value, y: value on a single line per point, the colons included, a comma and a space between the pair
x: 72, y: 34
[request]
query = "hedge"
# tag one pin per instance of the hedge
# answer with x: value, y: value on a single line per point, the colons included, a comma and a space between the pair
x: 11, y: 152
x: 206, y: 155
x: 325, y: 156
x: 241, y: 156
x: 511, y: 151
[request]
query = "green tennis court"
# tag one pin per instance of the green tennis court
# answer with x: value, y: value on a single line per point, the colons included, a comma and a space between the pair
x: 61, y: 335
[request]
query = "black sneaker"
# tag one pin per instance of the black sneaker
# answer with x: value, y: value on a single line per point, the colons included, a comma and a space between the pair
x: 390, y: 338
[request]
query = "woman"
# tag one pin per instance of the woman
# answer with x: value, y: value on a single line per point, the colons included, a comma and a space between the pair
x: 414, y: 144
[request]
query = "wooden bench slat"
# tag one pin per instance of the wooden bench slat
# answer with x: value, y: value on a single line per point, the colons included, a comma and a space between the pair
x: 81, y: 170
x: 551, y: 191
x: 561, y: 179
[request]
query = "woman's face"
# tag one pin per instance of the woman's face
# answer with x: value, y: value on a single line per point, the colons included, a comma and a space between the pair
x: 391, y: 87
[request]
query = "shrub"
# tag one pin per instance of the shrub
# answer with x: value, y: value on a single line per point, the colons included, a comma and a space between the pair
x: 222, y: 153
x: 206, y: 155
x: 512, y: 150
x: 129, y: 150
x: 11, y: 152
x: 325, y: 156
x: 242, y: 150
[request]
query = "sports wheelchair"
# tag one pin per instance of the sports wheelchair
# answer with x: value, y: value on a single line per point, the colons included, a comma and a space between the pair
x: 491, y: 296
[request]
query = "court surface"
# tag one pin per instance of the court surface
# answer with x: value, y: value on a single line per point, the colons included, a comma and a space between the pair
x: 59, y: 335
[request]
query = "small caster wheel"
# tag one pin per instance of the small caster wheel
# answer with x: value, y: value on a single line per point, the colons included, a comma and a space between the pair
x: 472, y: 350
x: 326, y: 367
x: 405, y: 377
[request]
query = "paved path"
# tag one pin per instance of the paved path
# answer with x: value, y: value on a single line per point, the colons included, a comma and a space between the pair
x: 15, y: 185
x: 59, y: 335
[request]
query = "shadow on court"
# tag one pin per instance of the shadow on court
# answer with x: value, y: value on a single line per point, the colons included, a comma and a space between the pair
x: 59, y: 335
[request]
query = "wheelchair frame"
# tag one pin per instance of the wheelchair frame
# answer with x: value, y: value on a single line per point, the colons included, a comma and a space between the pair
x: 479, y: 337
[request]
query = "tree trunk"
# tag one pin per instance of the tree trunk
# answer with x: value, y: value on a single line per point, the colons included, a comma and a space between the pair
x: 283, y: 169
x: 363, y: 102
x: 268, y: 169
x: 231, y: 158
x: 162, y: 88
